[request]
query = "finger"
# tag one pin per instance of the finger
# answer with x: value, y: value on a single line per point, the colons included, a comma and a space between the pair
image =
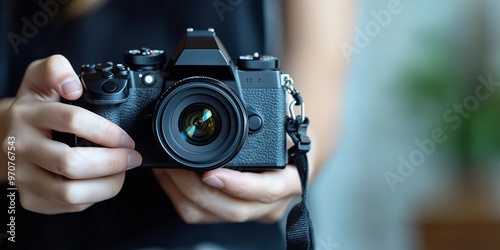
x: 227, y: 207
x: 266, y: 187
x: 31, y: 199
x: 81, y: 162
x: 75, y: 120
x: 54, y: 73
x: 188, y: 210
x: 72, y: 192
x: 276, y: 214
x: 39, y: 204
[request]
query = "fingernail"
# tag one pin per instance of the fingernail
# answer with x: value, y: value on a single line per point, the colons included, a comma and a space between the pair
x: 71, y: 86
x: 126, y: 142
x: 214, y: 181
x: 134, y: 160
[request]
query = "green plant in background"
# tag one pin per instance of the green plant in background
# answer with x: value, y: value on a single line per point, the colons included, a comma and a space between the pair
x: 485, y: 132
x: 437, y: 85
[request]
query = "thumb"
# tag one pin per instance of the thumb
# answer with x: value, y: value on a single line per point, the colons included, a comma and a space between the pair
x: 54, y: 73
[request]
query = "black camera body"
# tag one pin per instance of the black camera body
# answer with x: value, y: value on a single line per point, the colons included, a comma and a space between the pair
x: 197, y: 111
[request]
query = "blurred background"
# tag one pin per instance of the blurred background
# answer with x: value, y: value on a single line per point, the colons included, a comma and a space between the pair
x: 417, y: 166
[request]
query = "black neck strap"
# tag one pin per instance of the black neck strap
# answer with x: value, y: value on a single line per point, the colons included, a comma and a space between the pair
x: 299, y: 230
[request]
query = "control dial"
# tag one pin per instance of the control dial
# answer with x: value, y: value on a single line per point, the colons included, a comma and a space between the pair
x: 145, y: 58
x: 258, y: 62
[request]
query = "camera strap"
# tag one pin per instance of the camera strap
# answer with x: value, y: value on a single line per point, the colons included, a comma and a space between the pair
x: 299, y: 229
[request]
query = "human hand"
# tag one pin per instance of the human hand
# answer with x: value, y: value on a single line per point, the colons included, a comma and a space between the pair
x: 225, y: 195
x: 50, y: 176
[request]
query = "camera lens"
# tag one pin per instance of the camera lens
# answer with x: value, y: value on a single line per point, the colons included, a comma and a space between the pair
x: 200, y: 123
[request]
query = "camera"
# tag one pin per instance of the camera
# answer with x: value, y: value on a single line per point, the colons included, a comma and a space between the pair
x: 196, y: 110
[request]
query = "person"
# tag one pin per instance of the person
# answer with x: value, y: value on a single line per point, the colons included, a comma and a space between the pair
x: 78, y: 198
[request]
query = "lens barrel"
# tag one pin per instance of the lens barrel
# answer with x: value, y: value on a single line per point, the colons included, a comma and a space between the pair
x: 200, y: 122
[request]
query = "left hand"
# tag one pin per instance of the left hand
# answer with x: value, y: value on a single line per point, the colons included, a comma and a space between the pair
x: 225, y: 195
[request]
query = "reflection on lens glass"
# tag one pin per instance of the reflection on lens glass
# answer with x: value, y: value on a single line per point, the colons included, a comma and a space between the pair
x: 199, y: 124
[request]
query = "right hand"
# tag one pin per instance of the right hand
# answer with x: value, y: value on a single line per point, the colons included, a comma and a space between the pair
x: 52, y: 177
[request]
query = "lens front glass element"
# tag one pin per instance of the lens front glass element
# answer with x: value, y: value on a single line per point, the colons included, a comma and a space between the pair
x: 199, y: 124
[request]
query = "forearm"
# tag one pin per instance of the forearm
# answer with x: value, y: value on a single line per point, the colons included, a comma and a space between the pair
x: 4, y: 105
x: 313, y: 32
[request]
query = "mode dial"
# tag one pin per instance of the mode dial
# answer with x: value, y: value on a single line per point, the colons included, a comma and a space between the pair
x: 258, y: 62
x: 145, y: 58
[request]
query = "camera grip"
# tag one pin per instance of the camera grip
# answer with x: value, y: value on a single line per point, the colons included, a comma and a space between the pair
x: 109, y: 111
